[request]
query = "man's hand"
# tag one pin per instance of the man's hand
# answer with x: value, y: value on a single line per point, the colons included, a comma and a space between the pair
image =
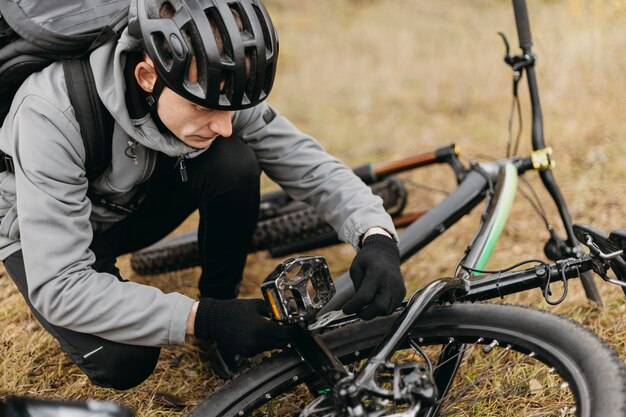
x: 239, y: 326
x: 377, y: 279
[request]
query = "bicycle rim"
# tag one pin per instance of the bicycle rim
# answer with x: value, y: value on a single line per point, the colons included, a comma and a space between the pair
x: 517, y: 362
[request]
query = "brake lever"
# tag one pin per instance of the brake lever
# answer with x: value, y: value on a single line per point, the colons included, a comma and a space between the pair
x: 597, y: 251
x: 602, y: 267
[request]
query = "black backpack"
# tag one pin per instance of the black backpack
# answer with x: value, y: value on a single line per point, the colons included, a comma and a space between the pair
x: 36, y: 33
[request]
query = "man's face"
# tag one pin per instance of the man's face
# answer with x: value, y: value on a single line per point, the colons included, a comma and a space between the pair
x: 196, y: 126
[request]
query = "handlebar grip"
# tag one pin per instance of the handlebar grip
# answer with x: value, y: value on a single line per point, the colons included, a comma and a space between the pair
x: 523, y: 24
x: 366, y: 173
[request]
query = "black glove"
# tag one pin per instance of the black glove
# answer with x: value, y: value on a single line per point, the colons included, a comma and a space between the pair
x: 238, y: 326
x: 376, y: 275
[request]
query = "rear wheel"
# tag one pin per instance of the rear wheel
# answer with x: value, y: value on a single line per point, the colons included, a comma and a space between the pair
x: 517, y: 362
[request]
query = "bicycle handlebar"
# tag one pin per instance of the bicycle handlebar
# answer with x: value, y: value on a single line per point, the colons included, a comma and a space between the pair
x: 523, y: 24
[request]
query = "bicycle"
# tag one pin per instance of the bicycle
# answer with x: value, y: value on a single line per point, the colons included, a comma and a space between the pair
x: 463, y: 333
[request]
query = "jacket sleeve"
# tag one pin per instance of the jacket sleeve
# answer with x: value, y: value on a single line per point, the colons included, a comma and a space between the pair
x: 300, y: 165
x: 55, y: 231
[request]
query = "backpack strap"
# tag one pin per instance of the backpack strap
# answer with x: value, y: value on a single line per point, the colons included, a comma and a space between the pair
x: 95, y: 121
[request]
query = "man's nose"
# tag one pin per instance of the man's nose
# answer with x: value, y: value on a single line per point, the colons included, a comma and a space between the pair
x: 222, y: 123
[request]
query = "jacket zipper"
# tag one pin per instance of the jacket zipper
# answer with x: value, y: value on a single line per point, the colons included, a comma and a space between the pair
x: 182, y: 167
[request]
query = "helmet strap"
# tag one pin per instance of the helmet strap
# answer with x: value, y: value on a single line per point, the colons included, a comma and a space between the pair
x: 152, y: 100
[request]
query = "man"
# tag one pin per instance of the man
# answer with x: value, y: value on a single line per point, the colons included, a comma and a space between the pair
x: 185, y: 85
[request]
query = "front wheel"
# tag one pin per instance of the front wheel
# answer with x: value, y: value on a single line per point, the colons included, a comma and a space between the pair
x: 517, y: 361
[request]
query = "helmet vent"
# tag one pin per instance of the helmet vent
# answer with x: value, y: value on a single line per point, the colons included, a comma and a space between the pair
x: 251, y: 54
x: 242, y: 20
x: 167, y: 9
x: 269, y: 80
x: 198, y: 85
x: 220, y: 33
x: 165, y: 50
x: 264, y: 24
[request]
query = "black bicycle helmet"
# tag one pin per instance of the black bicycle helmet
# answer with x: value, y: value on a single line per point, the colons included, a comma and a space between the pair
x: 232, y: 42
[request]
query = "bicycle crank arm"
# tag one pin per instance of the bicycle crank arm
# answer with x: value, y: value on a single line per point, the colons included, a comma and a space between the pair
x: 318, y: 356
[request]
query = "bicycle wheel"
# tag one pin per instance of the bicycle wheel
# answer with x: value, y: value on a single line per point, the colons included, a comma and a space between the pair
x: 517, y: 362
x: 295, y: 225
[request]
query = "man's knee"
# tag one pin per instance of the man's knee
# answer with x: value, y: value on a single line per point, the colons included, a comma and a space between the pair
x: 120, y: 366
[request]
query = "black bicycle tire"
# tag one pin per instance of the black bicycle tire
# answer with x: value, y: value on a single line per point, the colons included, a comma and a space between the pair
x: 581, y: 351
x: 296, y: 222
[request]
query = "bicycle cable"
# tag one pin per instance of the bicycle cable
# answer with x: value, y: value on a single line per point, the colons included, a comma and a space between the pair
x: 418, y: 185
x: 507, y: 269
x: 535, y: 203
x: 533, y: 199
x: 515, y: 104
x: 547, y: 292
x: 517, y: 65
x: 424, y: 356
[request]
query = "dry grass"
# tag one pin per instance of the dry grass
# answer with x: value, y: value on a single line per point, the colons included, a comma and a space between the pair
x: 380, y: 79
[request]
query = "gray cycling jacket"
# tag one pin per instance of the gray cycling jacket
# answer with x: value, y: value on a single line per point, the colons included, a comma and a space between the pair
x: 44, y: 209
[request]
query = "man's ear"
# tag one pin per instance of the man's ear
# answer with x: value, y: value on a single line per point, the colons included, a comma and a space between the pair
x: 145, y: 74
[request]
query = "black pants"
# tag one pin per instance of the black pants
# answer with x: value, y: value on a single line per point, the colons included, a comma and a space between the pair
x: 224, y: 185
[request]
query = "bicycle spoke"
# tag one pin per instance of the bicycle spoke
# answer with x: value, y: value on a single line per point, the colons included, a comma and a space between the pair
x: 510, y: 389
x: 491, y: 365
x: 495, y: 375
x: 451, y: 358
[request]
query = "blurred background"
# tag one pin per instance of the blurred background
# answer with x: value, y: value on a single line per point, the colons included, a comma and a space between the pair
x: 376, y: 80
